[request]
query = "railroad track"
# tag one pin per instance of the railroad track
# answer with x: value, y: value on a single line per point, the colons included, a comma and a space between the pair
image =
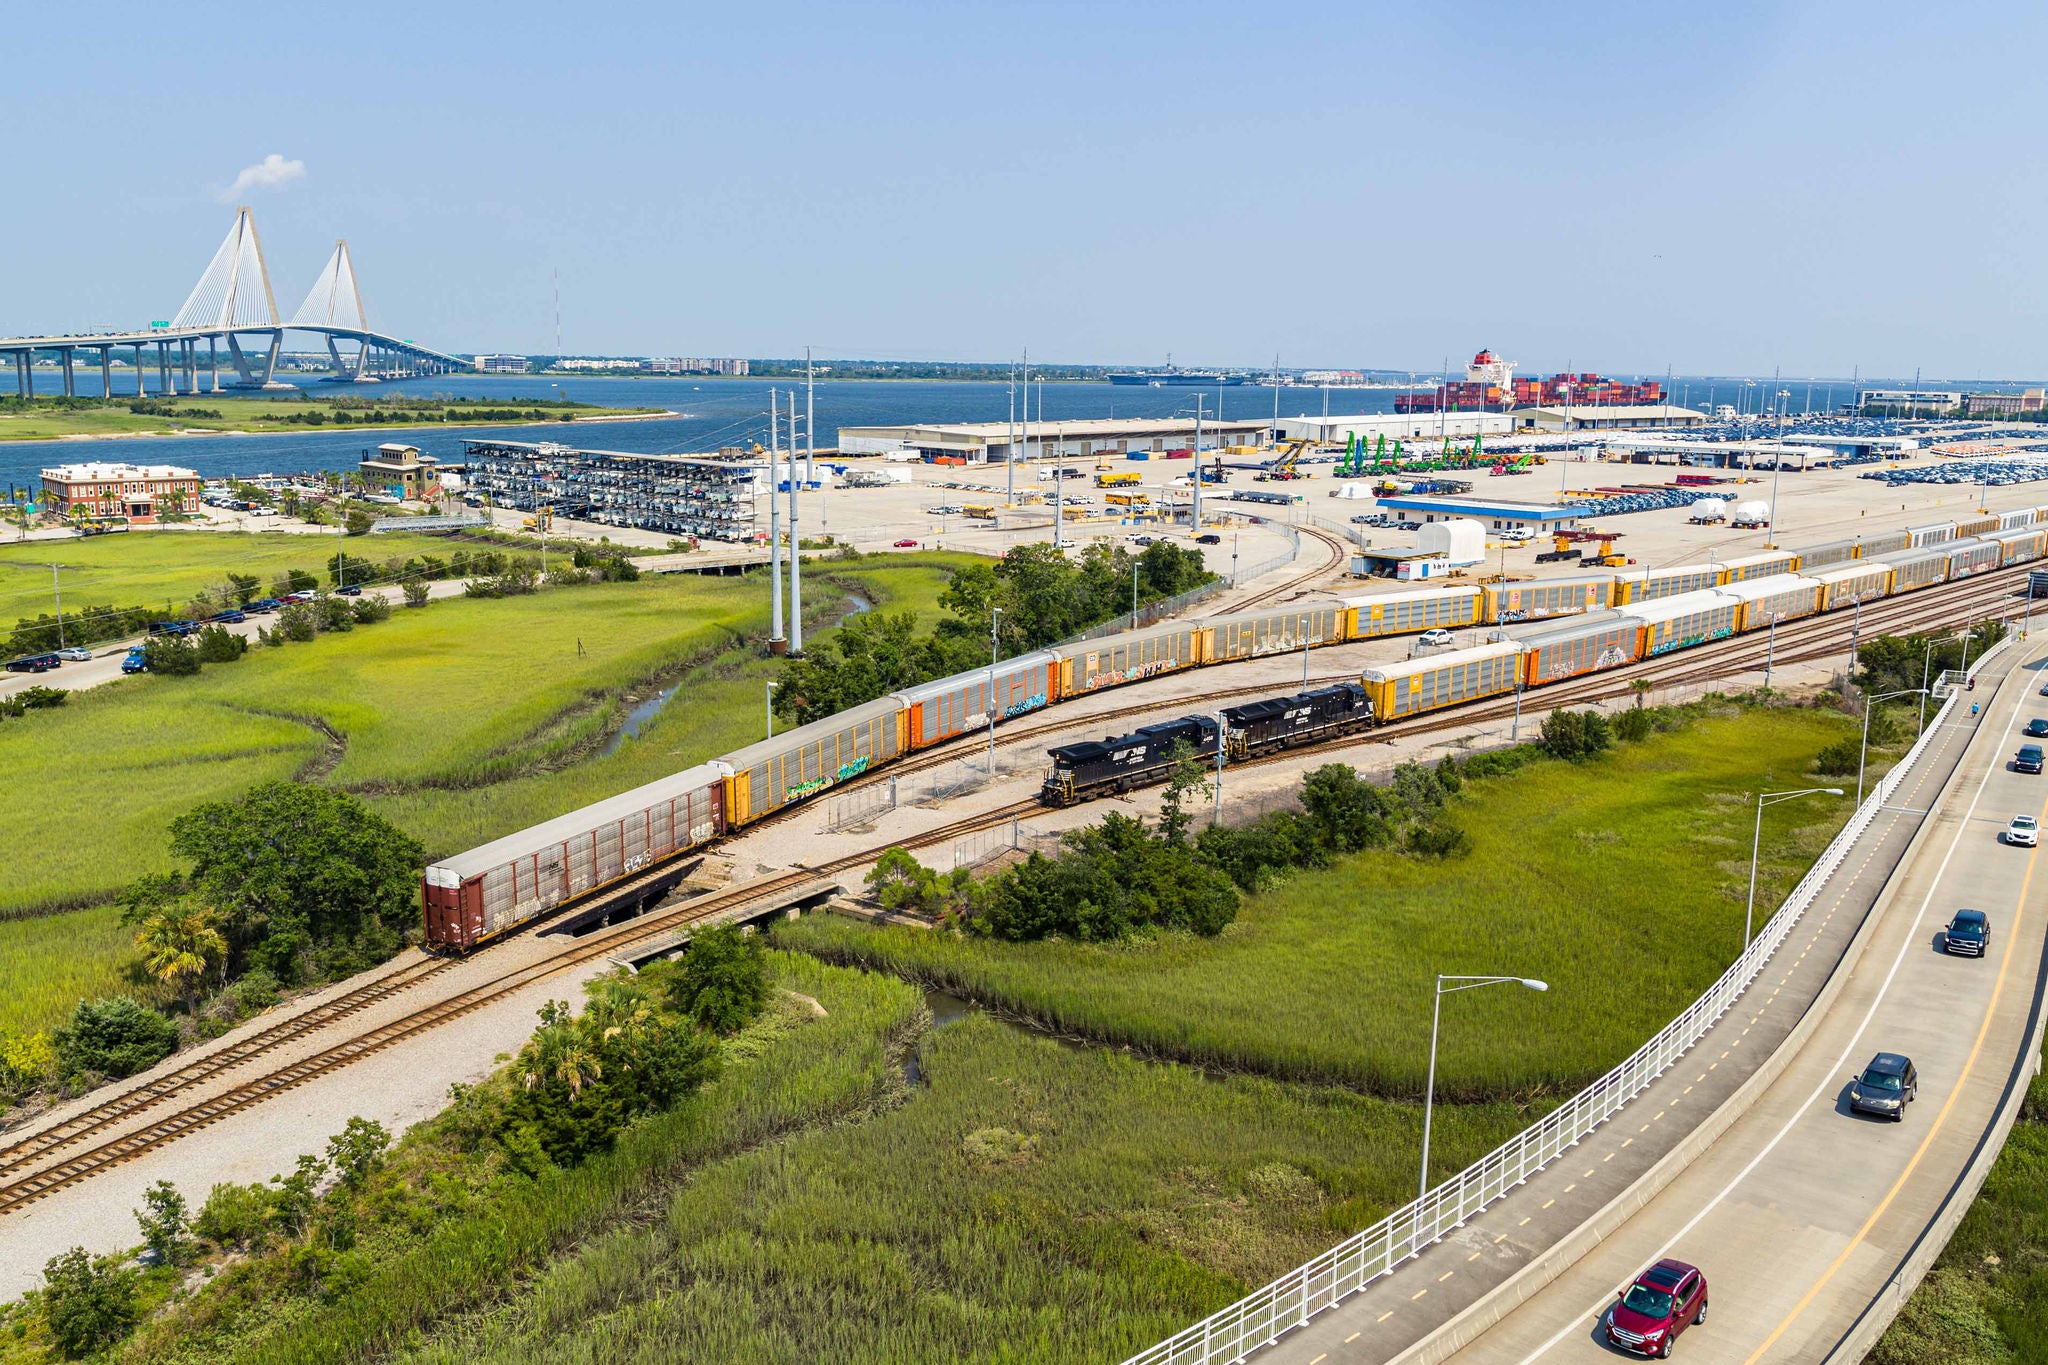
x: 24, y: 1188
x: 1339, y: 550
x: 1808, y: 638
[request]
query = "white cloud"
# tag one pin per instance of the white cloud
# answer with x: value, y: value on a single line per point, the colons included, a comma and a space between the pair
x: 271, y: 173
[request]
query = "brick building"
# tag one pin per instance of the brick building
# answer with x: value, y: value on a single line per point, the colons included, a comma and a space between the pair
x: 137, y: 493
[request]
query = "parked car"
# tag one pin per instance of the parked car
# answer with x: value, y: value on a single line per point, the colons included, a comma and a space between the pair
x: 1664, y: 1300
x: 301, y: 596
x: 230, y: 617
x: 33, y: 663
x: 75, y: 654
x: 136, y: 662
x: 1208, y: 538
x: 173, y: 627
x: 1516, y: 535
x: 1436, y: 638
x: 1410, y: 526
x: 2025, y: 831
x: 1365, y: 519
x: 2037, y: 728
x: 2029, y: 759
x: 263, y: 605
x: 1969, y: 933
x: 1885, y: 1088
x: 906, y: 545
x: 349, y: 590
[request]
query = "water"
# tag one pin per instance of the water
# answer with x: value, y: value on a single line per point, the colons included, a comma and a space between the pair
x: 947, y: 1009
x: 645, y: 711
x: 713, y: 413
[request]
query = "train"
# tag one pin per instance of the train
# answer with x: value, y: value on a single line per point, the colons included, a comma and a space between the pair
x: 1546, y: 630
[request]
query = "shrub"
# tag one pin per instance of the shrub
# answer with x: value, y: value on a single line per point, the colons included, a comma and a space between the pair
x: 357, y: 1151
x: 1633, y: 726
x: 369, y: 610
x: 26, y: 1061
x: 1438, y: 839
x: 298, y: 622
x: 722, y: 982
x: 1107, y: 880
x: 162, y: 1219
x: 1350, y: 812
x: 333, y: 613
x: 416, y: 592
x: 1576, y: 735
x: 219, y: 645
x: 115, y: 1038
x: 171, y: 655
x: 235, y: 1215
x: 88, y: 1304
x: 1841, y: 758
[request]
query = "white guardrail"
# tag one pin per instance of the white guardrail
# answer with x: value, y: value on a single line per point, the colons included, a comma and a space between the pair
x: 1262, y: 1317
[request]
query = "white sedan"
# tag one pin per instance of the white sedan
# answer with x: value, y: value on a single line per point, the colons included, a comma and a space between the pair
x: 2024, y: 830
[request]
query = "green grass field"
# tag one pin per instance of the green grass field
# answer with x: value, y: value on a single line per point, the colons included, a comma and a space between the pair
x: 238, y: 413
x: 55, y: 961
x: 462, y: 721
x: 149, y: 568
x: 1620, y: 882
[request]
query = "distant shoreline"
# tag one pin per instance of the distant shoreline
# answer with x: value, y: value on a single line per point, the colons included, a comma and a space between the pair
x: 83, y: 437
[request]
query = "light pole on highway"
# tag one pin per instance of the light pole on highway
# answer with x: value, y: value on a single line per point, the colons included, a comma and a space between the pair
x: 1756, y: 845
x: 1464, y: 983
x: 1869, y: 701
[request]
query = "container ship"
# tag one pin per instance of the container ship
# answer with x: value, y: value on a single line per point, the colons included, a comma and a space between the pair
x: 1490, y: 386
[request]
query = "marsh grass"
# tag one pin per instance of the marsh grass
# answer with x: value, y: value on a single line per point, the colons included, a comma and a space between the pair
x: 1621, y: 882
x: 55, y: 961
x: 1031, y: 1202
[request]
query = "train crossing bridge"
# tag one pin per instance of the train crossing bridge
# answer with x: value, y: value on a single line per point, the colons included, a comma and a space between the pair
x: 231, y: 303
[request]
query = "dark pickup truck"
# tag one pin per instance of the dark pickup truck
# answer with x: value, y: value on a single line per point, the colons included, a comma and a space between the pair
x: 2029, y: 759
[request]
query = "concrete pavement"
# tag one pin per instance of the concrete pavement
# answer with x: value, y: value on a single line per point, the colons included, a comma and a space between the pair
x: 1801, y: 1213
x: 1453, y: 1290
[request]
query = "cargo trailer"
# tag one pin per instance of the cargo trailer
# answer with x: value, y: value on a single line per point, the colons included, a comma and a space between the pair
x: 1691, y: 618
x: 1405, y: 613
x: 1967, y: 558
x: 1913, y: 569
x: 1651, y: 584
x: 1891, y: 542
x: 1507, y: 602
x: 763, y: 778
x: 1780, y: 597
x: 1418, y: 685
x: 1270, y: 630
x: 1768, y: 564
x: 2017, y: 520
x: 1821, y: 556
x: 938, y: 711
x: 1844, y: 585
x: 1555, y: 650
x: 1118, y: 659
x: 497, y: 887
x: 1970, y: 528
x: 2019, y: 546
x: 1934, y: 533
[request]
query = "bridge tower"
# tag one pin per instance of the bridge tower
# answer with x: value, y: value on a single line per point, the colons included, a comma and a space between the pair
x: 232, y: 296
x: 336, y: 301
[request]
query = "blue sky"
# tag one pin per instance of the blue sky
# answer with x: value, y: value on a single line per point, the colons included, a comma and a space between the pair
x: 1718, y: 189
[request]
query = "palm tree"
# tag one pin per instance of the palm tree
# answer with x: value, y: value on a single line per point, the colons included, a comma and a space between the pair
x: 178, y: 944
x: 1641, y: 687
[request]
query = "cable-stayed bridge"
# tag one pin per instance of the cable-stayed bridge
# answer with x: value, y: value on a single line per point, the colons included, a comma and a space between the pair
x: 233, y: 303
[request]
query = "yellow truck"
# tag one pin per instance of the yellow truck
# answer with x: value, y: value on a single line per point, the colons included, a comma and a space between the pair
x: 1123, y: 479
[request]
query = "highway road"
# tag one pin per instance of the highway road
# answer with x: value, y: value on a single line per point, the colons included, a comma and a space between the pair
x: 1801, y: 1213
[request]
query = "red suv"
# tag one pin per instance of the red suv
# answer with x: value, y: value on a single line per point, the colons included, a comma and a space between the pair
x: 1665, y: 1300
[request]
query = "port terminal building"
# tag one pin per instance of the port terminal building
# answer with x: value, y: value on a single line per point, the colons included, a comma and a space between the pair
x: 676, y: 494
x: 1000, y: 442
x: 1494, y: 516
x: 1590, y: 418
x: 1415, y: 426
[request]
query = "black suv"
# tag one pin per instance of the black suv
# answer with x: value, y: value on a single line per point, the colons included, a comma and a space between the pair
x: 1967, y: 935
x: 2029, y: 759
x: 1885, y: 1088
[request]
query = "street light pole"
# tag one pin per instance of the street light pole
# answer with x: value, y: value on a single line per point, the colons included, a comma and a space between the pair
x: 1868, y: 702
x: 1222, y: 742
x: 1756, y: 845
x: 1770, y: 651
x: 1466, y: 983
x: 995, y: 616
x: 768, y: 705
x: 1304, y: 652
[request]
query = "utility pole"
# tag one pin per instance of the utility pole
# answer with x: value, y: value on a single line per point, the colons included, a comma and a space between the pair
x: 1222, y: 742
x: 995, y: 708
x: 810, y: 413
x: 796, y: 544
x: 58, y: 588
x: 1195, y: 516
x: 1010, y: 443
x: 776, y: 644
x: 1304, y: 652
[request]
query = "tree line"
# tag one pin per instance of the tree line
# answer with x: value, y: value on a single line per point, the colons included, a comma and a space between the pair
x: 1042, y: 596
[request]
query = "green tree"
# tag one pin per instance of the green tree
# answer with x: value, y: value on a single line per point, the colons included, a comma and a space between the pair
x: 178, y: 945
x: 357, y: 1151
x: 304, y: 877
x: 113, y: 1037
x: 162, y: 1219
x: 357, y: 522
x: 296, y: 1195
x: 1189, y: 776
x: 243, y: 587
x: 298, y: 623
x: 88, y: 1304
x: 416, y: 592
x: 1576, y: 735
x: 722, y: 982
x: 171, y: 656
x: 219, y: 645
